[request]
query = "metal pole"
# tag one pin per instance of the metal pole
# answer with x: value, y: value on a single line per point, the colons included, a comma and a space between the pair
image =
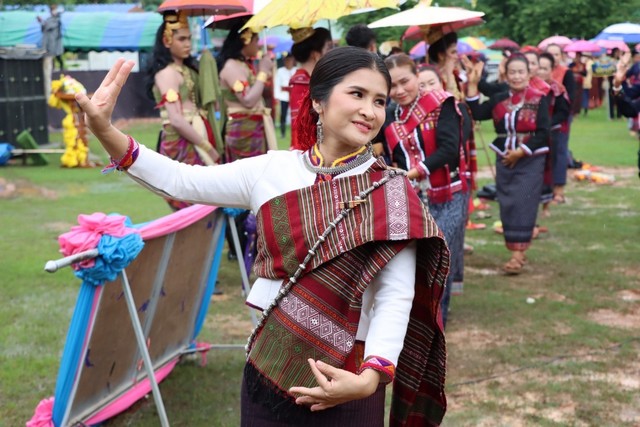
x: 55, y: 265
x: 137, y: 328
x: 246, y: 287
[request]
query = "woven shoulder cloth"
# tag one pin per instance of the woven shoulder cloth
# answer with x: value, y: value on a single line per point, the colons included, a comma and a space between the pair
x: 318, y: 317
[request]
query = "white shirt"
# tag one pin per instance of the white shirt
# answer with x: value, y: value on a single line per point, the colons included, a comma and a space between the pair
x: 248, y: 183
x: 282, y: 80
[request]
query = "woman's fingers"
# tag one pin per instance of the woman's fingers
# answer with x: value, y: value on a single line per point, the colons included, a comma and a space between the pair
x: 85, y: 103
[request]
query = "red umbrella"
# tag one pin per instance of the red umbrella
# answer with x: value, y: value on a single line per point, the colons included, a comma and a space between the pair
x: 504, y: 43
x: 582, y: 46
x: 203, y: 7
x: 225, y: 22
x: 415, y: 32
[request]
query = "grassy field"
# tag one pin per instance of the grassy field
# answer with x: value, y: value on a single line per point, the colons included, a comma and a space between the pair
x: 569, y: 358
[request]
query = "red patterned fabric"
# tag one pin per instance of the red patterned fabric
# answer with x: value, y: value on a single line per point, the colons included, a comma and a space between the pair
x: 319, y: 317
x: 425, y: 115
x: 526, y: 119
x: 299, y: 88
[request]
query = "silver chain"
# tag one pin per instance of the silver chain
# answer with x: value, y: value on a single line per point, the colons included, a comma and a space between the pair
x: 411, y: 108
x: 284, y: 290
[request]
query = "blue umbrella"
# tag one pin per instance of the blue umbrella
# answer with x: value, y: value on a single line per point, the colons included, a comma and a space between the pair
x: 626, y: 32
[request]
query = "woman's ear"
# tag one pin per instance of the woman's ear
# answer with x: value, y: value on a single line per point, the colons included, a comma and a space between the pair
x: 316, y: 106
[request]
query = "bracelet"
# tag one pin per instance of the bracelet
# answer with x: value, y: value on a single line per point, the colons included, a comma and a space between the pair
x: 617, y: 88
x: 381, y: 365
x: 262, y: 77
x: 125, y: 161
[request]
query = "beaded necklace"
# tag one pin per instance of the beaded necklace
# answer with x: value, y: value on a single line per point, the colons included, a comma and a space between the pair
x: 411, y: 108
x: 337, y: 170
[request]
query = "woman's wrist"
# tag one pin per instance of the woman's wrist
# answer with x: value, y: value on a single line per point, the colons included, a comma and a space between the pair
x: 371, y: 379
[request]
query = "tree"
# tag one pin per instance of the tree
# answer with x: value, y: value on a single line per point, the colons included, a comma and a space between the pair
x: 531, y: 22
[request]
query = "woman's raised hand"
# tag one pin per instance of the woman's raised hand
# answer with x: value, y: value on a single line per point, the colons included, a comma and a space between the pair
x: 99, y: 108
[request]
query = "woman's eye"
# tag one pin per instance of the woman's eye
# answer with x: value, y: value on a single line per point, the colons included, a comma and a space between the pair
x: 381, y: 102
x: 357, y: 93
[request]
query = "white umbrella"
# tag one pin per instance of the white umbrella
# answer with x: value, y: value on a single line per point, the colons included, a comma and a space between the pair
x: 626, y: 32
x: 425, y: 14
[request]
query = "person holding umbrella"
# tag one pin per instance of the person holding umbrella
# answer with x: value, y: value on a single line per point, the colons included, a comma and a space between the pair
x: 340, y: 234
x: 521, y: 120
x: 172, y: 81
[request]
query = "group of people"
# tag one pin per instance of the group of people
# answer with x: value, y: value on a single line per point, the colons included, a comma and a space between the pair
x: 361, y: 223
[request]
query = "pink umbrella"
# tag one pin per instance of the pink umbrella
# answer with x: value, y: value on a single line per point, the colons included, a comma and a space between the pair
x: 419, y: 50
x: 582, y: 46
x: 414, y: 32
x: 612, y: 44
x: 559, y: 40
x: 504, y: 43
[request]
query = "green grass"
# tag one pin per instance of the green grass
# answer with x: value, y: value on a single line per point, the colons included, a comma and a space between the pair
x: 570, y: 358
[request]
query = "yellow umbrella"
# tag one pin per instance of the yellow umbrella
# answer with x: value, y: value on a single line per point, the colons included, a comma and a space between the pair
x: 300, y: 14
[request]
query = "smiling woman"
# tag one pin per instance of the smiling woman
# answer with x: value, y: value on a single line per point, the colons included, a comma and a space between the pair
x: 522, y: 124
x: 339, y: 234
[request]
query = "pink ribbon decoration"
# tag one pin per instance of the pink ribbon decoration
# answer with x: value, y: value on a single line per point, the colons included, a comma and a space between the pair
x: 43, y: 416
x: 87, y: 234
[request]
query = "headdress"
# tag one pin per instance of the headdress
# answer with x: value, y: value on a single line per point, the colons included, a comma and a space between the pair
x: 173, y: 22
x: 301, y: 34
x: 432, y: 34
x: 246, y: 35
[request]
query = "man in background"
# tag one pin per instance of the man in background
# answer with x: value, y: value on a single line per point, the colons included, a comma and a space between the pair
x: 362, y: 36
x: 283, y: 75
x: 51, y: 43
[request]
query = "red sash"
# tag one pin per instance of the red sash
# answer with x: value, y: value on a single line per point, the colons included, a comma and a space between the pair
x: 425, y: 115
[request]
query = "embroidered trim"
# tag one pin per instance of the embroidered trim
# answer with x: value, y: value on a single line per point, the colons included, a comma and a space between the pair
x: 381, y: 365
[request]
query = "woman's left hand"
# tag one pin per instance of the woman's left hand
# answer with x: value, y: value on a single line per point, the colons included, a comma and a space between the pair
x: 511, y: 158
x: 335, y: 386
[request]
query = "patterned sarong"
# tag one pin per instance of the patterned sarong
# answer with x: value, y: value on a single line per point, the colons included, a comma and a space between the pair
x: 244, y: 137
x: 319, y: 317
x: 519, y: 190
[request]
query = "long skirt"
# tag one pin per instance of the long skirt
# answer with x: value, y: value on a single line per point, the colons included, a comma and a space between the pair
x: 559, y: 157
x: 244, y: 137
x: 450, y: 217
x: 368, y: 412
x: 519, y: 190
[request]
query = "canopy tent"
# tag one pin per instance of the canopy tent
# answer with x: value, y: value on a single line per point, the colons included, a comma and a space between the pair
x: 99, y: 31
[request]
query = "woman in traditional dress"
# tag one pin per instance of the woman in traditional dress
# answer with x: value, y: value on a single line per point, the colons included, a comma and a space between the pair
x: 309, y: 45
x: 521, y: 120
x: 172, y: 80
x: 249, y: 130
x: 559, y: 110
x: 350, y: 266
x: 423, y: 136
